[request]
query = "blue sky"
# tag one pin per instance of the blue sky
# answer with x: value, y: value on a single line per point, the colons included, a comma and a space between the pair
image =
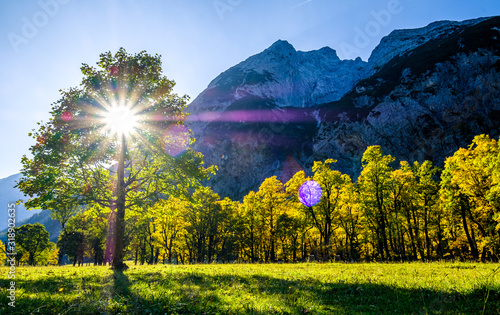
x: 43, y: 43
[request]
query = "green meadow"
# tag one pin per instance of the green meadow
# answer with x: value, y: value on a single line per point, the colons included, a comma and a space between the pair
x: 305, y: 288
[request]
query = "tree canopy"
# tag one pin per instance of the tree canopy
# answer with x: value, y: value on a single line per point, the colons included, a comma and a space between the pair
x: 114, y: 142
x: 32, y: 240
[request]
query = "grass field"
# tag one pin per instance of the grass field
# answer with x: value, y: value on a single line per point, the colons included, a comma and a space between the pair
x: 416, y: 288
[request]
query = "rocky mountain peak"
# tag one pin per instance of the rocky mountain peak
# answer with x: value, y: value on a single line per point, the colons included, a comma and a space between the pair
x: 423, y: 94
x: 399, y: 42
x: 281, y: 48
x: 289, y: 77
x: 329, y: 52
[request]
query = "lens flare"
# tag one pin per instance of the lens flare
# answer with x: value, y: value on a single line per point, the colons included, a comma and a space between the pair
x: 310, y: 193
x: 66, y: 116
x: 176, y: 140
x: 290, y: 168
x: 120, y: 120
x: 113, y: 71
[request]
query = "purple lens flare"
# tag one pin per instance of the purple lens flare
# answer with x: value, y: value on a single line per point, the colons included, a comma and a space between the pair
x: 310, y: 193
x: 176, y: 140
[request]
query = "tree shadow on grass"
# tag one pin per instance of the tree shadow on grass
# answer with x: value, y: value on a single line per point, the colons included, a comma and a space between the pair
x: 121, y: 284
x: 199, y: 293
x: 137, y: 292
x: 315, y: 297
x: 370, y: 298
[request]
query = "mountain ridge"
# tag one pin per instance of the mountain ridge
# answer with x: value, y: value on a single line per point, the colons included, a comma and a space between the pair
x: 282, y: 109
x: 381, y: 102
x: 9, y: 194
x: 399, y: 42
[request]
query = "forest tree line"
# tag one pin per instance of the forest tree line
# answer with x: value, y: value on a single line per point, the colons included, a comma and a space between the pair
x: 405, y: 213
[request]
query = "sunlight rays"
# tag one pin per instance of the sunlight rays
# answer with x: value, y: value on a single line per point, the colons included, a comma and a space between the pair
x: 112, y: 108
x: 121, y: 120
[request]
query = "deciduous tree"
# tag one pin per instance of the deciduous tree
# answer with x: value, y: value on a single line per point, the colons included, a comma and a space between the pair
x: 124, y: 114
x: 271, y: 197
x: 374, y: 183
x: 32, y: 239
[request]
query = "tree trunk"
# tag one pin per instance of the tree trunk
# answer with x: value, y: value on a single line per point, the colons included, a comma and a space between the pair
x: 210, y: 246
x: 252, y: 247
x: 440, y: 237
x: 151, y: 254
x: 157, y: 255
x: 120, y: 209
x: 472, y: 243
x: 383, y: 233
x: 382, y: 223
x: 272, y: 237
x: 427, y: 238
x: 170, y: 252
x: 416, y: 226
x: 294, y: 244
x: 412, y: 236
x: 63, y: 245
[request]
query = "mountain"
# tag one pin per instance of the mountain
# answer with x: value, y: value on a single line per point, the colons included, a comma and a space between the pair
x: 261, y: 109
x: 422, y: 94
x: 8, y: 195
x: 42, y: 217
x: 288, y: 77
x: 400, y: 42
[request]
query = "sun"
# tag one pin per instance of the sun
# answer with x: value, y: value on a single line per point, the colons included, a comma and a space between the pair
x: 120, y: 120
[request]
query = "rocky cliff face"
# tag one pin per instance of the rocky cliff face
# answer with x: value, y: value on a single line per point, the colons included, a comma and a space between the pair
x: 426, y: 117
x: 281, y: 75
x: 423, y: 94
x: 400, y: 42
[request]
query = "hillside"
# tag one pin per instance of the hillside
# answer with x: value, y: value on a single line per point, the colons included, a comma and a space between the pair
x: 42, y: 217
x: 9, y: 194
